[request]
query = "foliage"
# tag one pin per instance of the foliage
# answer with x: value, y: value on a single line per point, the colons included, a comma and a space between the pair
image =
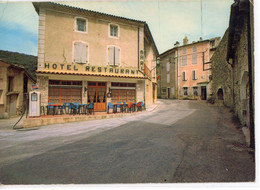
x: 29, y: 62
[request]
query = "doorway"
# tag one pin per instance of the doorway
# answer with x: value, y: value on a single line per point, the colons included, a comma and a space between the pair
x: 204, y: 93
x: 97, y: 95
x: 169, y: 93
x: 12, y: 101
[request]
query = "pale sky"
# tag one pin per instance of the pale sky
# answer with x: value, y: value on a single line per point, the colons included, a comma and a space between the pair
x: 168, y: 20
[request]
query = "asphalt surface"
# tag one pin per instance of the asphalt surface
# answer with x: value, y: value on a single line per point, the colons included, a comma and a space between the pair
x: 179, y: 141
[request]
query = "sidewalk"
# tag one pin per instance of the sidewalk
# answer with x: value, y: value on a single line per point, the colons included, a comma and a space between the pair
x: 7, y: 124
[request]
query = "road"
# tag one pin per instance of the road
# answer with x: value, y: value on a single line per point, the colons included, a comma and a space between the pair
x: 179, y: 141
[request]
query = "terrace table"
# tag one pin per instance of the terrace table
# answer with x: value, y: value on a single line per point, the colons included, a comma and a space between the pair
x: 115, y: 107
x: 56, y: 107
x: 83, y: 108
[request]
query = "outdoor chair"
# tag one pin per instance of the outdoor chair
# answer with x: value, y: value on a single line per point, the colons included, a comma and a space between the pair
x: 139, y: 106
x: 119, y: 106
x: 124, y: 107
x: 143, y: 105
x: 64, y: 107
x: 109, y: 106
x: 130, y: 107
x: 91, y: 108
x: 49, y: 108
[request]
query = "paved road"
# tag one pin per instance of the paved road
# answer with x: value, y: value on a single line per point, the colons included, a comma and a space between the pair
x: 180, y: 141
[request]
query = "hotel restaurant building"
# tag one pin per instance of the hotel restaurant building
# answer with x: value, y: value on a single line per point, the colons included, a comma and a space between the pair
x: 85, y: 56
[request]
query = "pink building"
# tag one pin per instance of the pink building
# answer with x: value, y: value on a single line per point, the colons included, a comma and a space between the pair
x: 192, y: 66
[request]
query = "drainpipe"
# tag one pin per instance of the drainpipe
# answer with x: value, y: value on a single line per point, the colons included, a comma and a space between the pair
x: 250, y: 69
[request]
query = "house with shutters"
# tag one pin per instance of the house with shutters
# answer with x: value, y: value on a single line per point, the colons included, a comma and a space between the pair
x: 185, y: 71
x: 86, y: 56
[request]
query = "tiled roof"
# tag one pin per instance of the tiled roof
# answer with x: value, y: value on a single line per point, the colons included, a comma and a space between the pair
x: 91, y: 12
x: 89, y: 74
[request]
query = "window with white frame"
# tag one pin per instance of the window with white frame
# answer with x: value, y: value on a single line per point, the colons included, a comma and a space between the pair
x: 194, y: 48
x: 81, y: 24
x: 184, y: 61
x: 184, y: 50
x: 80, y: 52
x: 194, y: 59
x: 113, y: 30
x: 113, y: 56
x: 167, y: 66
x: 168, y: 78
x: 194, y: 75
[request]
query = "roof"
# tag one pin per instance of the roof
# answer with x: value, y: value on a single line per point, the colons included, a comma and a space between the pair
x: 20, y: 67
x: 96, y: 14
x: 177, y: 47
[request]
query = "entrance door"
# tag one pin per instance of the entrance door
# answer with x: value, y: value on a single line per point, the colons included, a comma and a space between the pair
x: 12, y: 104
x: 204, y: 93
x: 97, y: 94
x: 169, y: 93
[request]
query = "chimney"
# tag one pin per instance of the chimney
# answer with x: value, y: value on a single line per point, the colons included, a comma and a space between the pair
x: 200, y: 38
x: 176, y: 44
x: 185, y: 40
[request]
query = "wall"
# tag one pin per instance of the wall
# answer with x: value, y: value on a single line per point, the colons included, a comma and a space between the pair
x: 59, y: 37
x: 203, y: 76
x: 222, y: 74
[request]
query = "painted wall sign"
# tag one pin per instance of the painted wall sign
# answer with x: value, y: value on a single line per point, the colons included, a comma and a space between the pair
x: 92, y: 69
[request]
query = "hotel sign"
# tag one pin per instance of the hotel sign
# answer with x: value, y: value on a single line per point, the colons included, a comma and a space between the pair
x: 92, y: 69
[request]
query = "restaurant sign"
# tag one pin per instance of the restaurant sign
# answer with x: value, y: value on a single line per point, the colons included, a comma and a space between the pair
x: 92, y: 69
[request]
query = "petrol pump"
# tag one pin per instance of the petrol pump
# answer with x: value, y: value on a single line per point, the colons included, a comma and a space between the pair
x: 34, y: 104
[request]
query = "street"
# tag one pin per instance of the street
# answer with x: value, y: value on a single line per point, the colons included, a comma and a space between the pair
x: 179, y: 141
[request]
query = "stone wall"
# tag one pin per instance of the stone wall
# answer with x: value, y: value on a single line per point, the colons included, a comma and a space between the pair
x: 43, y: 82
x: 222, y: 74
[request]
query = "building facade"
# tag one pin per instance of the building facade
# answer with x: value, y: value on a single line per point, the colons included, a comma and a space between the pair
x: 185, y: 71
x: 235, y: 58
x: 15, y: 84
x: 86, y: 56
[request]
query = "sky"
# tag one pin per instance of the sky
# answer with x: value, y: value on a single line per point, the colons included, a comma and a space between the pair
x: 169, y: 20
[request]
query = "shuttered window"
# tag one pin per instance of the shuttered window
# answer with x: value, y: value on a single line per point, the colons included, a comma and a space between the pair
x: 194, y: 75
x: 194, y: 59
x: 113, y: 56
x: 184, y: 61
x: 80, y: 52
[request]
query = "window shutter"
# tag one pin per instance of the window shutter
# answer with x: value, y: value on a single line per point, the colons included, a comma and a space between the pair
x: 111, y: 55
x: 83, y: 53
x: 199, y: 90
x: 196, y: 74
x: 117, y: 52
x: 77, y: 52
x: 183, y: 76
x: 186, y: 76
x: 188, y: 91
x: 191, y: 89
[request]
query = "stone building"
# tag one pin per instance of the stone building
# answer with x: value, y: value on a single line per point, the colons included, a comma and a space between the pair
x: 15, y: 84
x: 185, y: 71
x: 85, y: 56
x: 233, y: 67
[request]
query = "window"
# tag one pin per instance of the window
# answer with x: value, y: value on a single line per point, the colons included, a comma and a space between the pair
x: 81, y: 24
x: 113, y: 30
x: 195, y: 91
x: 10, y: 84
x: 80, y: 52
x: 194, y: 48
x: 65, y: 91
x: 184, y: 61
x: 184, y: 75
x: 168, y: 66
x: 194, y: 59
x: 184, y: 51
x: 163, y: 90
x: 194, y: 75
x: 185, y: 91
x: 113, y: 56
x: 168, y: 78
